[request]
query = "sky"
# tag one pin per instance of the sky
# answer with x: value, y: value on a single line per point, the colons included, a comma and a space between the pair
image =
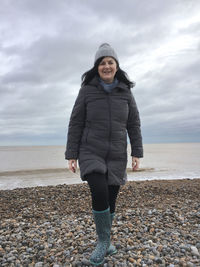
x: 45, y: 47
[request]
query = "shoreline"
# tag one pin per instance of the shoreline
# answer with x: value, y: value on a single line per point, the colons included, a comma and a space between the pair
x: 55, y: 171
x: 42, y: 178
x: 157, y: 223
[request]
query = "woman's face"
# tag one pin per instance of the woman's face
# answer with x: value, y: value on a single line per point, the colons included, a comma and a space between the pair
x: 107, y: 69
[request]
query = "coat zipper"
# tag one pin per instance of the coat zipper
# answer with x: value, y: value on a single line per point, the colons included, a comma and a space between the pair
x: 109, y: 137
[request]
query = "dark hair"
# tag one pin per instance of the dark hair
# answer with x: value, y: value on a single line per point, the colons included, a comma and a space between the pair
x: 120, y: 74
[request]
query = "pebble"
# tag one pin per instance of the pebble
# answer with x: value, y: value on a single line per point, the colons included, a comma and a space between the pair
x: 195, y: 251
x: 39, y: 264
x: 45, y: 226
x: 189, y: 264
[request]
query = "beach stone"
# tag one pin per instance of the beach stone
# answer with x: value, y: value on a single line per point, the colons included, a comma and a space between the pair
x: 190, y: 264
x: 195, y: 251
x: 131, y: 260
x: 149, y: 262
x: 176, y: 261
x: 85, y: 262
x: 11, y: 259
x: 158, y: 260
x: 39, y: 264
x: 118, y: 245
x: 110, y: 264
x: 63, y: 233
x: 185, y: 247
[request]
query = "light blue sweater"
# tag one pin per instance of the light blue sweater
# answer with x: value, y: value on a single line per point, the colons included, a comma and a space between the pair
x: 108, y: 86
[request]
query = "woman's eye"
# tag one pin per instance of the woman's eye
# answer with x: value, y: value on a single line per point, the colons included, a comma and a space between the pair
x: 104, y: 63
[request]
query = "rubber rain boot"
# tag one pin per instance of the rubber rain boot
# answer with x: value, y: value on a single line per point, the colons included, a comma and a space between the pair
x: 103, y: 225
x: 112, y: 249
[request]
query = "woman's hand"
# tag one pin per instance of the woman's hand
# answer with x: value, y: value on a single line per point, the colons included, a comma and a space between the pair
x: 135, y: 163
x: 72, y: 165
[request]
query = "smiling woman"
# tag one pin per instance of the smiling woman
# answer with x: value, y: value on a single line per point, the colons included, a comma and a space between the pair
x: 104, y: 111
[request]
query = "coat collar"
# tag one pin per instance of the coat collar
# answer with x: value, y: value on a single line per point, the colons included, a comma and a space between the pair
x: 95, y: 82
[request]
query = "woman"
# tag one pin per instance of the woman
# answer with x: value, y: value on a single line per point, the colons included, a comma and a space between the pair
x: 104, y: 111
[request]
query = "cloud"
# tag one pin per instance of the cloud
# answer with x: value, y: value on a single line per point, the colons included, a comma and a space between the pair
x: 45, y: 47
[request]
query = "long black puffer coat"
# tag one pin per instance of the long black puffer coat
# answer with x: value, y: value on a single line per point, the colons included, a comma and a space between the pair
x: 97, y: 133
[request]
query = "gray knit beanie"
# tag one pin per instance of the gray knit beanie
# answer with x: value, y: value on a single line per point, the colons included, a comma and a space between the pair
x: 105, y: 50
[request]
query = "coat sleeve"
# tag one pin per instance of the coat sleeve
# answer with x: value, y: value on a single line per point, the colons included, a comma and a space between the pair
x: 134, y: 130
x: 76, y: 126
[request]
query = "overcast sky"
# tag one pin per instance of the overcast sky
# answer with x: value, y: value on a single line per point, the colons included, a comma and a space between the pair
x: 45, y: 47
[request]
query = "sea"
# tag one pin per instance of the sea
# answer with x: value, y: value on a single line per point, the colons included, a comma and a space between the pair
x: 31, y: 166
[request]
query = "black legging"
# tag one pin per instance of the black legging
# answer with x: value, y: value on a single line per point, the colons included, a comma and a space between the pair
x: 103, y: 195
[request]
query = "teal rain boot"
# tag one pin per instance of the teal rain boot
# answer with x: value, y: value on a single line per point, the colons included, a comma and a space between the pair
x: 102, y: 221
x: 112, y: 249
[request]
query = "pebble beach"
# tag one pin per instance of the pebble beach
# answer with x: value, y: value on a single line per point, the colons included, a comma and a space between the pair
x: 157, y: 223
